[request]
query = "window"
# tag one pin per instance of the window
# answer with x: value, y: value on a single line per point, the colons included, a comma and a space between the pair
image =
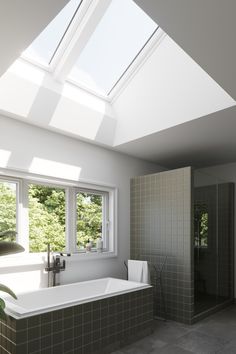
x: 92, y: 217
x: 43, y: 48
x: 46, y: 218
x: 64, y: 216
x: 95, y: 59
x: 201, y: 225
x: 118, y: 38
x: 8, y: 209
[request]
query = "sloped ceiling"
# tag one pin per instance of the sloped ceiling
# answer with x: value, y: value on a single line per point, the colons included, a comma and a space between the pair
x: 205, y: 29
x: 20, y: 22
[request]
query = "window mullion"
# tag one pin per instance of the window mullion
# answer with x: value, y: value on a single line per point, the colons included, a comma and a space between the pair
x: 105, y: 231
x: 71, y: 220
x: 23, y: 214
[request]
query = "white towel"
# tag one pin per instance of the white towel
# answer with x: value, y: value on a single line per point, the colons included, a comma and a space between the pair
x: 146, y: 273
x: 138, y: 271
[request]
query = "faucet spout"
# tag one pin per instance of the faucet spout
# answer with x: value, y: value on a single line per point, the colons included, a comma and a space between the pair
x: 48, y: 268
x: 55, y: 267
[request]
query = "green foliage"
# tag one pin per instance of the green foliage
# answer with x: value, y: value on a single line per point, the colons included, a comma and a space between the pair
x: 7, y: 209
x: 201, y: 225
x: 89, y: 218
x: 204, y: 228
x: 5, y: 289
x: 47, y: 216
x: 52, y: 198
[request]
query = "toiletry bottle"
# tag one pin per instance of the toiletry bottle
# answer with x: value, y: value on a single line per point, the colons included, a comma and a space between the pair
x: 88, y: 246
x: 99, y: 244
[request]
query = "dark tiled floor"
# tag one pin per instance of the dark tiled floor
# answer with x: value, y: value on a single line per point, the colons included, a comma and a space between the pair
x: 215, y: 334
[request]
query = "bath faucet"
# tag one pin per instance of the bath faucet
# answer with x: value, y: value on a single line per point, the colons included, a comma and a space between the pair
x: 55, y: 267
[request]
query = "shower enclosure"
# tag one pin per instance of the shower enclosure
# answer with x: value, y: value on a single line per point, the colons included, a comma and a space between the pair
x: 213, y: 242
x: 182, y: 224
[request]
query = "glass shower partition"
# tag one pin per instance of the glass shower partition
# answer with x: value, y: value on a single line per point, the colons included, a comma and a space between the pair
x: 213, y: 242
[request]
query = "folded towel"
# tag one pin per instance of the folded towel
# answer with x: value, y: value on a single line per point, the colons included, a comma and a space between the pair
x: 138, y: 271
x: 146, y: 273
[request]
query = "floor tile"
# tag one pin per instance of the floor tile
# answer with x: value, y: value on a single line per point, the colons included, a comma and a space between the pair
x: 229, y: 348
x: 215, y: 334
x: 170, y: 331
x: 171, y: 349
x: 201, y: 343
x: 220, y: 329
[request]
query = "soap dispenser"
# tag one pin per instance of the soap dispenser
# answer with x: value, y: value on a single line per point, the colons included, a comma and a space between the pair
x: 99, y: 244
x: 88, y: 246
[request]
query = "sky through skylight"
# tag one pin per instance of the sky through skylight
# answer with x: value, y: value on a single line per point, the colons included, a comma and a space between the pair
x: 43, y: 47
x: 122, y: 32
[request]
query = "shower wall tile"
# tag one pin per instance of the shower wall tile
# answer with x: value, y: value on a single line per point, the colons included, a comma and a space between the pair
x: 161, y: 233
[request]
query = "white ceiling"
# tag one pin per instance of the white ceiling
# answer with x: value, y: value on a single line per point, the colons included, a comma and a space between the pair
x: 166, y: 107
x: 201, y: 142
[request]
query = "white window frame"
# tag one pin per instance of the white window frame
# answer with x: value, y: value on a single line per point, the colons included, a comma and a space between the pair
x: 50, y: 185
x: 105, y: 216
x: 18, y: 202
x: 65, y: 55
x: 109, y: 217
x: 71, y: 189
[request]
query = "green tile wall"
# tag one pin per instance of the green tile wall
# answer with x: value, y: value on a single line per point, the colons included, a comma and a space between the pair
x: 161, y: 225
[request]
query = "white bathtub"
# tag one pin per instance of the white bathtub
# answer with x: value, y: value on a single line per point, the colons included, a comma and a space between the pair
x: 50, y: 299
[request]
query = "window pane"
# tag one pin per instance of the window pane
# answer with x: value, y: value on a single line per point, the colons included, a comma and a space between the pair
x: 121, y: 34
x: 201, y: 225
x: 43, y: 47
x: 46, y: 218
x: 8, y: 209
x: 89, y: 218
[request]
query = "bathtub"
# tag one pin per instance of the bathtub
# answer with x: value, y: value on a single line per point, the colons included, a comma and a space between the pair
x: 96, y: 316
x: 49, y: 299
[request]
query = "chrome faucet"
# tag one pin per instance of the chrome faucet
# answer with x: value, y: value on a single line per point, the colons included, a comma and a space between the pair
x: 55, y: 267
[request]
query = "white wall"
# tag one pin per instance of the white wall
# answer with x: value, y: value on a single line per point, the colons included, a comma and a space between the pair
x: 224, y: 173
x: 21, y: 143
x: 32, y: 95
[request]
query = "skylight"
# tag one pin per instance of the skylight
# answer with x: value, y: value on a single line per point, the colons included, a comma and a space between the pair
x: 119, y: 37
x: 45, y: 45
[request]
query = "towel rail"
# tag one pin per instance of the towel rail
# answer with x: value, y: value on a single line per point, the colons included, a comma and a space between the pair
x: 158, y: 269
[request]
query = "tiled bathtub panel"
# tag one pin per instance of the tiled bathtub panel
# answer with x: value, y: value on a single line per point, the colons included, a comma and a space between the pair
x: 161, y: 226
x: 86, y: 328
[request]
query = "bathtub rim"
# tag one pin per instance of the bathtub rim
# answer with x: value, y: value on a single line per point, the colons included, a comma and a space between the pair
x: 18, y: 316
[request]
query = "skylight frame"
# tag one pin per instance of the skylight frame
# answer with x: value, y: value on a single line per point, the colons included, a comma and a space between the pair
x: 64, y: 38
x: 150, y: 45
x: 58, y: 60
x: 143, y: 55
x: 116, y: 72
x: 133, y: 61
x: 66, y: 32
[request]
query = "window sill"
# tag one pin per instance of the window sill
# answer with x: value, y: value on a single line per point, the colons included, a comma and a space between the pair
x: 85, y: 256
x: 34, y: 259
x: 22, y: 259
